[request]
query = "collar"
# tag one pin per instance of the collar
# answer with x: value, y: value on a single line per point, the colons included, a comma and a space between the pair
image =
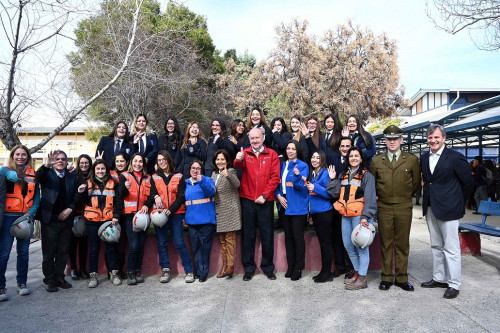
x: 260, y: 150
x: 438, y: 153
x: 397, y: 154
x: 59, y: 174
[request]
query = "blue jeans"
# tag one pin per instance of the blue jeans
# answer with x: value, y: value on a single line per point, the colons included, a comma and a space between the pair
x: 136, y: 242
x: 360, y: 258
x: 95, y: 247
x: 6, y: 241
x: 176, y: 229
x: 202, y: 236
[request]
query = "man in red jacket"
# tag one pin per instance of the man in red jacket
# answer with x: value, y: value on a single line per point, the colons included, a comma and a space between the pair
x: 261, y: 176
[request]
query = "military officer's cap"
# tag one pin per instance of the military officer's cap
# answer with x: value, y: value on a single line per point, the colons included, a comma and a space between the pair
x: 392, y: 132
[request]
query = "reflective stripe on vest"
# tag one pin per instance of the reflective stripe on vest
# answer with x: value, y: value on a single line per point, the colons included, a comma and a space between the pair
x: 17, y: 203
x: 198, y: 201
x: 114, y: 174
x: 137, y: 193
x: 168, y: 193
x: 347, y: 204
x: 94, y: 213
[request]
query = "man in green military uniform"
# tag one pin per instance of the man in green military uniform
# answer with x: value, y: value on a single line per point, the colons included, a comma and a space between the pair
x: 397, y: 176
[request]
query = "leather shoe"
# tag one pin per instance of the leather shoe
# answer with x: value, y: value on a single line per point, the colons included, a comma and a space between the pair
x: 51, y: 288
x: 434, y: 284
x: 270, y: 275
x: 63, y: 284
x: 451, y: 293
x: 247, y: 276
x: 203, y: 278
x: 385, y: 285
x: 404, y: 285
x: 297, y: 274
x: 338, y: 272
x: 289, y: 272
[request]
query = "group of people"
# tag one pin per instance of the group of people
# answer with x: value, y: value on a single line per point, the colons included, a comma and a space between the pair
x: 232, y: 181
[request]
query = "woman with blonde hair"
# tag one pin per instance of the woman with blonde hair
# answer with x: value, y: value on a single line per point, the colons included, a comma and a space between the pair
x: 194, y: 147
x: 145, y: 142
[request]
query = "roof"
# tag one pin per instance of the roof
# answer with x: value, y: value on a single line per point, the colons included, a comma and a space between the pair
x: 50, y: 129
x: 422, y: 92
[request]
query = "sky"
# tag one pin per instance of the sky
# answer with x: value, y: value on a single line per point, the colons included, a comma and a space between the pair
x: 428, y: 58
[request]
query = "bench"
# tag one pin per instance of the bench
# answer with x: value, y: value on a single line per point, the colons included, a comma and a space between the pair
x: 486, y: 208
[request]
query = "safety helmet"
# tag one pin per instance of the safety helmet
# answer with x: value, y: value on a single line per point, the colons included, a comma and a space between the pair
x: 158, y: 218
x: 140, y: 222
x: 109, y: 233
x: 79, y: 228
x: 363, y: 236
x: 23, y: 227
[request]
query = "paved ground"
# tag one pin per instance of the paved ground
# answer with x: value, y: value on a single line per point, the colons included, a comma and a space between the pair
x: 261, y: 305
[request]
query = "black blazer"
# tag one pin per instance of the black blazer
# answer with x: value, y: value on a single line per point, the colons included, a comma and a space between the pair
x: 107, y: 144
x: 150, y: 151
x: 49, y: 184
x: 447, y: 189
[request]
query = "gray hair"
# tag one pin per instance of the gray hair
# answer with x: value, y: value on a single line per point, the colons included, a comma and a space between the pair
x: 433, y: 127
x: 57, y: 152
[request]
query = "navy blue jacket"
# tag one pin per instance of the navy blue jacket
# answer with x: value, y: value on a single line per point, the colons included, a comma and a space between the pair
x: 171, y: 147
x: 107, y: 144
x: 150, y: 151
x: 368, y: 150
x: 447, y: 189
x: 49, y: 184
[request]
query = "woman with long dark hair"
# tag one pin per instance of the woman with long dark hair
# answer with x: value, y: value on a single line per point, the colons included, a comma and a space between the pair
x: 332, y: 134
x: 256, y: 119
x: 80, y: 244
x: 145, y: 141
x: 219, y: 139
x: 296, y: 123
x: 292, y: 197
x: 361, y: 138
x: 357, y: 204
x: 281, y: 137
x: 117, y: 141
x: 171, y: 141
x: 314, y: 138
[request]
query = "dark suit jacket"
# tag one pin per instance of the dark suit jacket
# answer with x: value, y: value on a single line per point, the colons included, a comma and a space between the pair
x: 107, y: 144
x: 150, y: 151
x: 447, y: 189
x: 49, y: 184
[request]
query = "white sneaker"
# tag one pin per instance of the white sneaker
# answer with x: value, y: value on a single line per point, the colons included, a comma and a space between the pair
x: 3, y: 295
x: 115, y: 279
x: 23, y: 289
x: 189, y: 278
x: 165, y: 275
x: 93, y: 280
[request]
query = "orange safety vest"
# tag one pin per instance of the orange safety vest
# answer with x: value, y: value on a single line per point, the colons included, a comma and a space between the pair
x: 348, y: 204
x: 137, y: 194
x: 115, y: 175
x: 16, y: 202
x: 169, y: 193
x: 94, y: 213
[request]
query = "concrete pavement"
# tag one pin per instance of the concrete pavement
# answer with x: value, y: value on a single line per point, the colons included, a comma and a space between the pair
x: 260, y: 305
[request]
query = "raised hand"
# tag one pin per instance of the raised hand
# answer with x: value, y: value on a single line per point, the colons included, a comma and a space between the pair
x: 81, y: 188
x: 51, y: 158
x: 304, y: 130
x: 138, y: 136
x: 241, y: 155
x: 70, y: 167
x: 199, y: 177
x: 100, y: 155
x: 225, y: 172
x: 296, y: 170
x: 331, y: 172
x: 345, y: 132
x: 20, y: 173
x: 232, y: 139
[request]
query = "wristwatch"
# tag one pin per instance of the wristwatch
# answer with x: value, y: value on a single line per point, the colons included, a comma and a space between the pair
x: 264, y: 196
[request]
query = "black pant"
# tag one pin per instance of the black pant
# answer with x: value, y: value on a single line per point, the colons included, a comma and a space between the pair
x: 80, y: 245
x: 323, y: 225
x: 342, y: 260
x: 295, y: 244
x: 120, y: 249
x: 254, y: 215
x: 95, y: 247
x: 56, y: 237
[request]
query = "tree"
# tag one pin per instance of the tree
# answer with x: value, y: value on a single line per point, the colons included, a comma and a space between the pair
x: 480, y: 17
x: 35, y: 28
x: 169, y: 72
x: 348, y: 70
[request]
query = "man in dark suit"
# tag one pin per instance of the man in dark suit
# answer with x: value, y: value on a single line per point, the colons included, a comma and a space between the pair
x: 116, y: 142
x: 447, y: 184
x: 56, y: 213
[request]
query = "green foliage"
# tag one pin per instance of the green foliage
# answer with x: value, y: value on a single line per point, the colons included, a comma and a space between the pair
x: 382, y: 124
x: 94, y: 134
x: 277, y: 106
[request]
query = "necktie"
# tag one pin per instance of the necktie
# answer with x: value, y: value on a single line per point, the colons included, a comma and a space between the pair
x: 117, y: 147
x: 327, y: 137
x: 393, y: 162
x: 141, y: 146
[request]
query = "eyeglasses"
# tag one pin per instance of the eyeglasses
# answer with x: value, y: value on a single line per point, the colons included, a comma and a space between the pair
x: 61, y: 159
x: 161, y: 160
x: 196, y: 169
x: 195, y: 128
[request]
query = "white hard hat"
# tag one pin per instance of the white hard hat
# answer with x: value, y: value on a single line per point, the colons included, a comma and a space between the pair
x: 109, y: 233
x: 363, y: 236
x: 79, y: 227
x: 158, y: 218
x: 23, y: 227
x: 140, y: 222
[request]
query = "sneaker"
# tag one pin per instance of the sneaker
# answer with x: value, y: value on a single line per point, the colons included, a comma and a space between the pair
x: 138, y: 277
x: 23, y: 289
x: 75, y: 275
x: 131, y: 279
x: 93, y: 280
x: 189, y: 277
x: 3, y: 295
x: 360, y: 283
x: 165, y: 275
x: 115, y: 279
